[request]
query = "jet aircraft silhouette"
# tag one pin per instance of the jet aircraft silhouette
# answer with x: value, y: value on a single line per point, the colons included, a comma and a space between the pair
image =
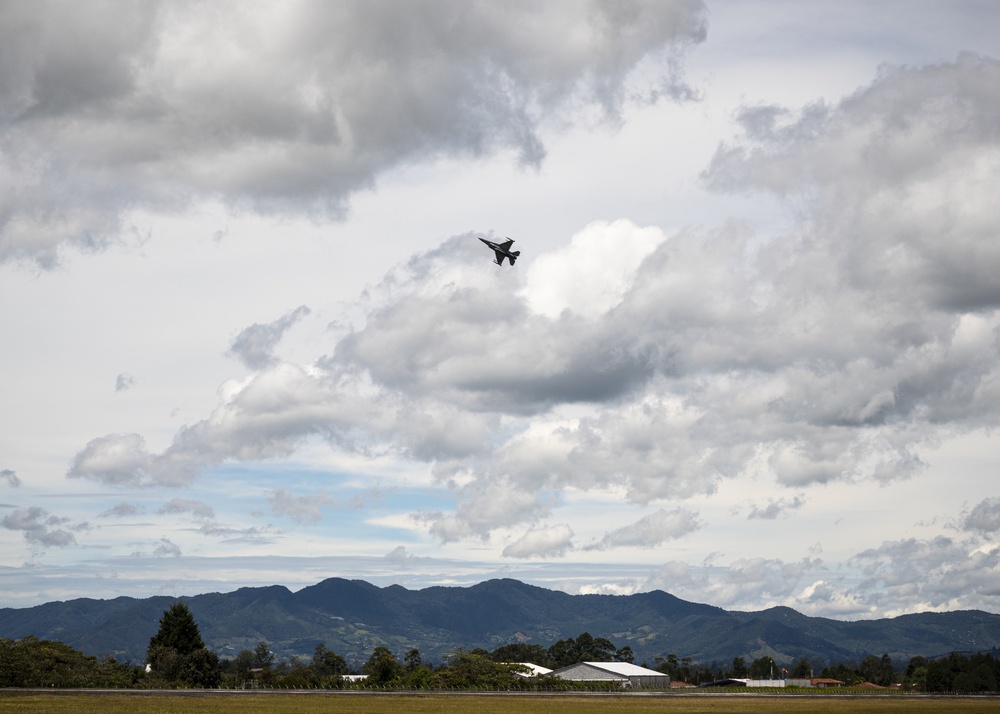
x: 502, y: 250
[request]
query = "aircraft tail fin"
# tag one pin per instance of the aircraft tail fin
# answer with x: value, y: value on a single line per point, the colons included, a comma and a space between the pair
x: 513, y: 256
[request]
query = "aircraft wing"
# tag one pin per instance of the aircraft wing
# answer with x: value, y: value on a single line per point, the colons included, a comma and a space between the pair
x: 500, y: 257
x: 507, y: 245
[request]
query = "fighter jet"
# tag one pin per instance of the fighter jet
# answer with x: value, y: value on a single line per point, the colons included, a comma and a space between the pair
x: 502, y: 250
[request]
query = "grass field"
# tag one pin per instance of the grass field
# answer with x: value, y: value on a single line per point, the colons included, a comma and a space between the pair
x: 290, y: 703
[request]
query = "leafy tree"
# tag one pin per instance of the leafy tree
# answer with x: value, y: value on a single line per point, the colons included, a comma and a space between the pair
x: 877, y: 670
x: 941, y: 672
x: 295, y: 674
x: 328, y: 664
x: 118, y: 675
x: 685, y: 673
x: 958, y: 673
x: 263, y: 654
x: 739, y: 669
x: 762, y: 668
x: 802, y: 669
x: 705, y: 673
x: 669, y: 665
x: 165, y: 663
x: 31, y: 662
x: 915, y: 674
x: 412, y: 660
x: 982, y: 675
x: 201, y: 669
x: 562, y: 653
x: 843, y: 671
x: 595, y: 649
x: 244, y: 662
x: 419, y: 678
x: 382, y: 667
x: 467, y: 670
x: 625, y: 654
x: 585, y: 648
x: 980, y: 678
x: 914, y: 664
x: 917, y: 679
x: 521, y: 652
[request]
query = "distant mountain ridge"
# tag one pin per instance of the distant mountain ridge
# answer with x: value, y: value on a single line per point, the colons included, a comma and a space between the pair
x: 352, y: 617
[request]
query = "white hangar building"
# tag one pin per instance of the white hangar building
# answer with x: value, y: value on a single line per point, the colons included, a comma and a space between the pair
x: 533, y: 670
x: 624, y: 673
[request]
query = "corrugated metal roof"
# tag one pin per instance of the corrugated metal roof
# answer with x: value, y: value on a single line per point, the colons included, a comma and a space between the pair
x: 535, y: 668
x: 619, y: 669
x: 626, y: 669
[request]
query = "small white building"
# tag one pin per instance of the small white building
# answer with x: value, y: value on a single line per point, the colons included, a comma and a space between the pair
x: 623, y: 673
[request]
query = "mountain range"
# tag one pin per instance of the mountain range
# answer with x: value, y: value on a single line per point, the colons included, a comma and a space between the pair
x: 352, y: 617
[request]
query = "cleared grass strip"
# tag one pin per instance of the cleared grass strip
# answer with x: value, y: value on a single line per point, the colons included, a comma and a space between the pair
x: 291, y: 703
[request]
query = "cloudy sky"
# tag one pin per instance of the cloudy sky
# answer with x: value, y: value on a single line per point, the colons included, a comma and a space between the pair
x: 750, y: 354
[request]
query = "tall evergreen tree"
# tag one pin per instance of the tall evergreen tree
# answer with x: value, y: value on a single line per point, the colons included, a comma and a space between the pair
x: 178, y: 631
x: 176, y: 653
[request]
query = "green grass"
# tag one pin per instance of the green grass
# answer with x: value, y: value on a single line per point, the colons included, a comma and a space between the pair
x: 282, y: 703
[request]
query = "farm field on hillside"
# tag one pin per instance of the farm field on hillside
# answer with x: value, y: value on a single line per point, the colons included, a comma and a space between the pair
x: 304, y: 703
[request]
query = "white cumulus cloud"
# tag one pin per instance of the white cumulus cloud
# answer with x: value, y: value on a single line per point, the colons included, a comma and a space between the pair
x: 541, y: 542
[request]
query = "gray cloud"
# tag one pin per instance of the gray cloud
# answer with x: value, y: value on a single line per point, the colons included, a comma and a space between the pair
x: 777, y: 508
x: 124, y: 382
x: 445, y: 301
x: 122, y: 510
x: 896, y: 176
x: 39, y: 528
x: 166, y: 548
x: 723, y: 353
x: 254, y: 535
x: 266, y: 418
x: 10, y: 477
x: 399, y: 557
x: 651, y: 531
x: 187, y: 505
x: 487, y: 503
x: 984, y: 517
x: 726, y: 347
x: 254, y: 346
x: 122, y: 460
x: 939, y: 572
x: 298, y: 508
x: 108, y: 108
x: 760, y: 582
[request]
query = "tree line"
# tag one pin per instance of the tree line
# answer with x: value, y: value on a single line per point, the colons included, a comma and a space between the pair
x: 955, y: 672
x: 478, y: 668
x: 178, y: 657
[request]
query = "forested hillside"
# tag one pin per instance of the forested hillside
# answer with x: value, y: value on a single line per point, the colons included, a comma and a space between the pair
x: 352, y: 617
